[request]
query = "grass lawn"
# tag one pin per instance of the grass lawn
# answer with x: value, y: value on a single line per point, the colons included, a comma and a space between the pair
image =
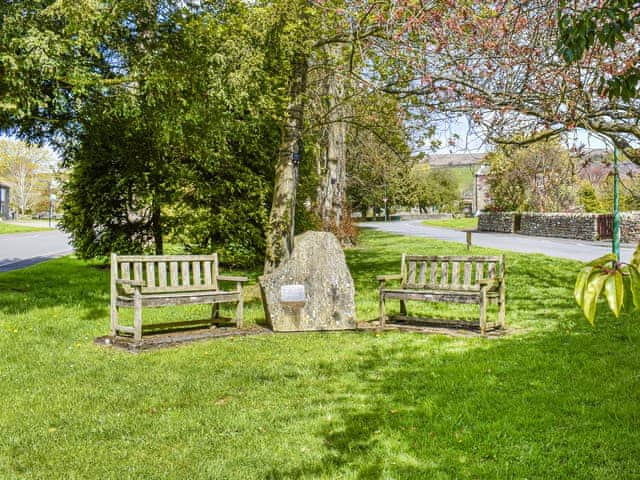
x: 13, y: 228
x: 462, y: 223
x: 557, y: 399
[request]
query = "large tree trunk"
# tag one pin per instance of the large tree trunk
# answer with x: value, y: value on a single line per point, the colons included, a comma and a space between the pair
x: 156, y: 225
x: 333, y: 156
x: 280, y: 231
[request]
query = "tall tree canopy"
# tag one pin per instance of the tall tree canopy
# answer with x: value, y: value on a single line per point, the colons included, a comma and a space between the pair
x: 230, y: 96
x: 185, y: 147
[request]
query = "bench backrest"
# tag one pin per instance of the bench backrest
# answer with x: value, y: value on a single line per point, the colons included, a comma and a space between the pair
x: 166, y: 273
x: 449, y: 272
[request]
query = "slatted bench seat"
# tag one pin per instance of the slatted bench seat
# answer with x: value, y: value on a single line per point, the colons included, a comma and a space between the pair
x: 139, y: 281
x: 453, y: 279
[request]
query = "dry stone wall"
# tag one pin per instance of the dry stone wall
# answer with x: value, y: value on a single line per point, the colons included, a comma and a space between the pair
x: 580, y: 226
x: 501, y: 222
x: 630, y: 227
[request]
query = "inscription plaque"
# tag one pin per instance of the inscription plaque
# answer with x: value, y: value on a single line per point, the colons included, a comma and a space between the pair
x: 293, y: 295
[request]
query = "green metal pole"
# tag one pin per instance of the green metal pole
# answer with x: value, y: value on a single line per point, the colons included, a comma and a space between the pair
x: 616, y: 206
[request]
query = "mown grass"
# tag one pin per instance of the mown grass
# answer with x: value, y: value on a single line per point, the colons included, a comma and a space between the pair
x: 13, y: 228
x: 556, y: 399
x: 462, y: 223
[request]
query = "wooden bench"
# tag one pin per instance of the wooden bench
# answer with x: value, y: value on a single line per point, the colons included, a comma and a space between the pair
x: 139, y: 281
x: 454, y: 279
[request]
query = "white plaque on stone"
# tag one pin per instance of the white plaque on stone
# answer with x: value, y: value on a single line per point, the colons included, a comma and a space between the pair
x: 292, y: 294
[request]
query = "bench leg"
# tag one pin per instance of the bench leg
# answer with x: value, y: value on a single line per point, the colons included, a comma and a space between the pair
x: 403, y: 307
x: 215, y: 312
x: 501, y: 309
x: 240, y: 312
x: 483, y: 311
x: 383, y: 315
x: 137, y: 317
x: 240, y: 307
x: 114, y: 318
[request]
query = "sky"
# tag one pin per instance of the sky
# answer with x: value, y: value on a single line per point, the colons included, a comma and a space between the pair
x: 468, y: 141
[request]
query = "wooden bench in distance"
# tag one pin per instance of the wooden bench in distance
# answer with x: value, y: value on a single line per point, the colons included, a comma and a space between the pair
x: 139, y: 281
x: 454, y: 279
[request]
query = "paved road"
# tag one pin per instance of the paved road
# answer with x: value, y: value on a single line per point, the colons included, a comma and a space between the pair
x: 18, y: 250
x: 555, y: 247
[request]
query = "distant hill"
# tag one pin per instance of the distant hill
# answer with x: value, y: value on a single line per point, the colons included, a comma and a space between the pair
x: 462, y: 165
x: 593, y: 165
x: 464, y: 175
x: 442, y: 160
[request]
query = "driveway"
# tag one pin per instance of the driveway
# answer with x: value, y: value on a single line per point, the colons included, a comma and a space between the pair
x: 554, y: 247
x: 19, y: 250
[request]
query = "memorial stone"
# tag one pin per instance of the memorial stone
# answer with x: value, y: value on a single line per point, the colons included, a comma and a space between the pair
x: 312, y: 290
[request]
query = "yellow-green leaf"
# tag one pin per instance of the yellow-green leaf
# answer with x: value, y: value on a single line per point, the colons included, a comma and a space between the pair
x: 591, y: 294
x: 634, y: 285
x: 600, y: 261
x: 581, y: 283
x: 614, y: 292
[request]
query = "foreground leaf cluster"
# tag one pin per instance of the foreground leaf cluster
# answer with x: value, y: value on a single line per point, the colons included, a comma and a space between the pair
x: 619, y: 282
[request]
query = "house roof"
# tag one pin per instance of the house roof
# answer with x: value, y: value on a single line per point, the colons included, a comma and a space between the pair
x: 592, y: 164
x: 455, y: 159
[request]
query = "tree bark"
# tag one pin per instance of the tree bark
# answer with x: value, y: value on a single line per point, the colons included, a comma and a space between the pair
x: 333, y: 156
x: 280, y: 231
x: 156, y: 225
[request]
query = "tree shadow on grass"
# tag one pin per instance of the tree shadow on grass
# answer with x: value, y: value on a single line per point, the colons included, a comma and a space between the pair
x: 544, y: 406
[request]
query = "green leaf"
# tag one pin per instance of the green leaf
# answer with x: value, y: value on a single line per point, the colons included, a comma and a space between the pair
x: 614, y: 292
x: 634, y: 285
x: 598, y: 262
x: 591, y: 294
x: 581, y: 283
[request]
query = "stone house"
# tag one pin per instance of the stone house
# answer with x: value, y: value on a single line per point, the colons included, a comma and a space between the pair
x: 477, y: 193
x: 481, y: 197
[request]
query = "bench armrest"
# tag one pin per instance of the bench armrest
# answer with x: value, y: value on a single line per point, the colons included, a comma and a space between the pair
x: 130, y: 283
x: 493, y: 282
x: 231, y: 278
x: 384, y: 278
